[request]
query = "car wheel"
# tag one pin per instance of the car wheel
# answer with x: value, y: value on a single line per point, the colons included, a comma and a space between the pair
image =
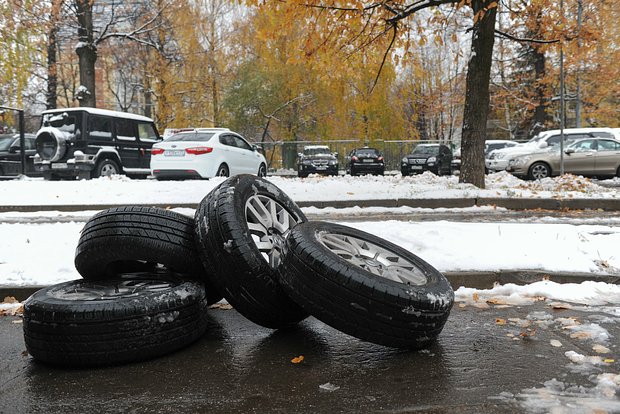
x: 105, y: 168
x: 129, y: 318
x: 262, y: 171
x: 618, y: 172
x: 365, y: 286
x: 539, y: 170
x: 404, y: 173
x: 223, y: 171
x: 134, y: 238
x: 241, y: 226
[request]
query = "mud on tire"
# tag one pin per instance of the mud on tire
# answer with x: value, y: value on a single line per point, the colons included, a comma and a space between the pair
x: 135, y: 238
x: 240, y: 230
x: 365, y: 286
x: 129, y: 318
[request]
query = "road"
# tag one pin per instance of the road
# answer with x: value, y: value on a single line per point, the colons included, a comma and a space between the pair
x: 490, y: 358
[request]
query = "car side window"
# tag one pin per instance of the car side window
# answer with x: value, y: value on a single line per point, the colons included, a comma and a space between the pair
x: 586, y: 145
x: 604, y: 145
x: 146, y: 132
x: 227, y: 140
x: 241, y: 143
x: 100, y: 128
x: 30, y: 143
x: 125, y: 130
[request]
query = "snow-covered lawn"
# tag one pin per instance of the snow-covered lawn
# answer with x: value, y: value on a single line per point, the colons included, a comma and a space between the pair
x: 35, y: 251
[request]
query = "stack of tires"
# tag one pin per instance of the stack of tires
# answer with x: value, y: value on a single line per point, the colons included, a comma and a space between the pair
x: 149, y: 276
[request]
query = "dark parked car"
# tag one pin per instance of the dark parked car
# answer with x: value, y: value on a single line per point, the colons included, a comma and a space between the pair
x: 436, y: 158
x: 89, y: 142
x: 317, y: 159
x: 365, y: 161
x: 10, y: 155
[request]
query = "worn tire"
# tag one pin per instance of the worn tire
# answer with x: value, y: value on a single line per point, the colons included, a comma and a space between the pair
x: 135, y: 238
x: 356, y: 301
x: 130, y: 318
x: 240, y: 272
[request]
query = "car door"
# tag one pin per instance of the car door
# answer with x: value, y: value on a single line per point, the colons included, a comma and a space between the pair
x: 231, y: 155
x: 249, y: 159
x: 582, y: 160
x: 607, y: 159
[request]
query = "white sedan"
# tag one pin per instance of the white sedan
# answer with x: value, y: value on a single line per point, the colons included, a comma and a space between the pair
x: 205, y: 153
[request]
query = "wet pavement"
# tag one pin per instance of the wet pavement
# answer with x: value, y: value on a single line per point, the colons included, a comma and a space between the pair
x: 490, y: 358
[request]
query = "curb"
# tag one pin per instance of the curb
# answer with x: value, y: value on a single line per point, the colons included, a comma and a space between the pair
x: 477, y: 280
x: 508, y: 203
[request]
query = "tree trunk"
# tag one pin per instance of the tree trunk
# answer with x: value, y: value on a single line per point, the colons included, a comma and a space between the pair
x: 52, y: 70
x: 87, y: 53
x: 477, y: 94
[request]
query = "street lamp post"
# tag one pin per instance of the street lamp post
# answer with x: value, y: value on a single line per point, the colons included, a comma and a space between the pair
x: 562, y: 103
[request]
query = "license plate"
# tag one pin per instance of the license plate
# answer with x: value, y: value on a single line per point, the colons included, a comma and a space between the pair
x: 416, y: 167
x: 367, y: 160
x: 321, y: 167
x: 58, y: 166
x: 174, y: 153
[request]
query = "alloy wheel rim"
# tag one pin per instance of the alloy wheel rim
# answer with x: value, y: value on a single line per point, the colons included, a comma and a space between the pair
x: 108, y: 169
x: 373, y: 258
x: 269, y: 224
x: 539, y: 172
x: 111, y: 289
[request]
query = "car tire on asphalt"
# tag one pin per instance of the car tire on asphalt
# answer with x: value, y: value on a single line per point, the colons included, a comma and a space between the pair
x: 132, y: 317
x: 136, y: 238
x: 365, y: 286
x: 240, y: 230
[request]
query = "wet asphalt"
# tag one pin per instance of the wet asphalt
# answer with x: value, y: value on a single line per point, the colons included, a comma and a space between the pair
x: 490, y: 358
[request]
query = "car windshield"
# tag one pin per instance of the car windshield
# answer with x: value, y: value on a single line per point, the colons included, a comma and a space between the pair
x: 491, y: 147
x: 5, y: 142
x: 366, y: 152
x: 425, y: 149
x: 196, y: 136
x: 63, y: 122
x: 316, y: 151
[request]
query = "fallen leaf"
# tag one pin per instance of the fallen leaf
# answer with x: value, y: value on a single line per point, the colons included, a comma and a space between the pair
x: 298, y: 359
x: 500, y: 321
x: 476, y: 297
x: 581, y: 335
x: 608, y: 361
x: 223, y: 306
x: 559, y: 305
x: 10, y: 299
x: 556, y: 343
x: 496, y: 301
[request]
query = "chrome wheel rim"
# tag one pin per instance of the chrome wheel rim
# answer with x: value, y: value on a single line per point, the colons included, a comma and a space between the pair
x: 539, y: 171
x: 110, y: 289
x: 269, y: 224
x: 373, y: 258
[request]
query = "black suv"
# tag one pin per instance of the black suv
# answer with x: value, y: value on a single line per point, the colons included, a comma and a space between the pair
x: 10, y: 155
x: 365, y: 161
x: 90, y: 142
x: 435, y: 158
x: 317, y: 159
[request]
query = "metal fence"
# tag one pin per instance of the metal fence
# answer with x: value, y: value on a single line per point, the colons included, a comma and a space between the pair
x: 284, y: 154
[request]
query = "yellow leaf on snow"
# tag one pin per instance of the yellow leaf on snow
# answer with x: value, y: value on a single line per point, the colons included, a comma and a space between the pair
x: 298, y: 359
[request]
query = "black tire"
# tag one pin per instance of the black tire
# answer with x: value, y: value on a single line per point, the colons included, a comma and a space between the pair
x: 134, y: 238
x: 357, y: 301
x: 106, y: 167
x: 538, y: 171
x: 130, y: 318
x: 240, y: 271
x: 262, y: 171
x: 223, y: 171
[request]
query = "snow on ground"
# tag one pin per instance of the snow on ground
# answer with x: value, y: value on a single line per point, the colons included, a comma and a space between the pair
x: 122, y: 190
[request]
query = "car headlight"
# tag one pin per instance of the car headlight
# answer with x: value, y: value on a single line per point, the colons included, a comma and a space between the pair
x: 499, y: 156
x: 306, y: 162
x: 333, y: 162
x: 404, y: 160
x: 431, y: 159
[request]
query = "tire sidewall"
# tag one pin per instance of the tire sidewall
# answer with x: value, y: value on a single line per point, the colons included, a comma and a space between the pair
x: 101, y: 164
x: 437, y: 292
